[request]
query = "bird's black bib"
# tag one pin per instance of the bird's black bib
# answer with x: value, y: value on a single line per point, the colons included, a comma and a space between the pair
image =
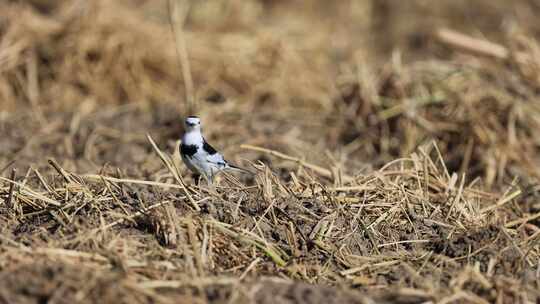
x: 188, y: 150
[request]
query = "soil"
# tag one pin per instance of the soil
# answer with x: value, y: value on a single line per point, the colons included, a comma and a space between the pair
x: 389, y: 167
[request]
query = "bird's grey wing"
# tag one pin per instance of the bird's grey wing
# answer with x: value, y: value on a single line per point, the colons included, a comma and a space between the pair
x: 213, y: 157
x: 217, y: 160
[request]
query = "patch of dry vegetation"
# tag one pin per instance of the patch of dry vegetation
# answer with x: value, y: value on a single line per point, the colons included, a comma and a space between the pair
x: 382, y: 176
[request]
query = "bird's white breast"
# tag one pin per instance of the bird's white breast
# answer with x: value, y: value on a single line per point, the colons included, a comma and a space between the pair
x: 193, y: 138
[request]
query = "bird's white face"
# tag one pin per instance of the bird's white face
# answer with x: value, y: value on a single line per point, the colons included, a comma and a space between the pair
x: 192, y: 123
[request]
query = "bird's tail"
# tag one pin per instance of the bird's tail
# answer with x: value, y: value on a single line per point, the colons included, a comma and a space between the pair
x: 233, y: 167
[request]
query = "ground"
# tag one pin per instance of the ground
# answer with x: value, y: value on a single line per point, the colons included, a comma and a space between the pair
x: 394, y: 145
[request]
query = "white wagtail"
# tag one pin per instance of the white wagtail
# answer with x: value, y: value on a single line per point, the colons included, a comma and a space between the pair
x: 198, y: 155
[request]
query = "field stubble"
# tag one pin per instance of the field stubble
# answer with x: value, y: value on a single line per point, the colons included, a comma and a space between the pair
x: 382, y: 177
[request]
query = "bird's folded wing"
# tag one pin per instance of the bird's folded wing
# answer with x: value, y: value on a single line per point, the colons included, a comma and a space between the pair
x: 216, y: 159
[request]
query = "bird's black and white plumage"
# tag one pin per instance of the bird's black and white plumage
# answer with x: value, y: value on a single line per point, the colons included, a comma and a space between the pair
x: 198, y: 155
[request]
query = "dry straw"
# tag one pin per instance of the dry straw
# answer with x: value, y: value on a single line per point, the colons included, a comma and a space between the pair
x: 407, y: 181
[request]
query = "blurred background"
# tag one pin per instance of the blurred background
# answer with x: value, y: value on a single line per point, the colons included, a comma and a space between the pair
x: 348, y: 85
x: 352, y: 84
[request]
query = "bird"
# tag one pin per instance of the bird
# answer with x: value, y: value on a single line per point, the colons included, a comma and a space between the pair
x: 198, y: 155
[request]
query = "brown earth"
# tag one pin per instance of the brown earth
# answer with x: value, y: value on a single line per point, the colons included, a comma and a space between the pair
x: 395, y: 167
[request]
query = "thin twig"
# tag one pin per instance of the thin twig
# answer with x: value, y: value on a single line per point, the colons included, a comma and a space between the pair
x: 318, y: 169
x: 60, y: 171
x: 470, y: 44
x: 11, y: 162
x: 502, y: 201
x: 131, y: 217
x: 171, y: 168
x: 130, y: 181
x: 176, y: 19
x: 11, y: 189
x: 32, y: 193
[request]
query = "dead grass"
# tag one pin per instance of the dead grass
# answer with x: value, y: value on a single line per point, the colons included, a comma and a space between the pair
x: 389, y: 177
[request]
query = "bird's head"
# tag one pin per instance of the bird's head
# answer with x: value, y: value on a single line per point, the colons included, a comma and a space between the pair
x: 192, y: 123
